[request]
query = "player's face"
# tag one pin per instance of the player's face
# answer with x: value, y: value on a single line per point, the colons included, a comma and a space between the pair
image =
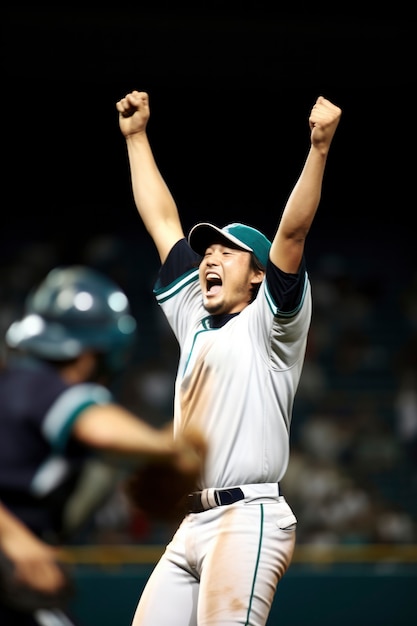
x: 226, y: 279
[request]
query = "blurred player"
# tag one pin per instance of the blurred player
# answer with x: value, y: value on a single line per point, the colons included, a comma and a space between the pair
x: 240, y: 308
x: 56, y: 409
x: 34, y: 563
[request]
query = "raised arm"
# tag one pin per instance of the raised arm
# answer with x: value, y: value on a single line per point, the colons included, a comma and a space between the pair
x: 153, y: 199
x: 288, y: 244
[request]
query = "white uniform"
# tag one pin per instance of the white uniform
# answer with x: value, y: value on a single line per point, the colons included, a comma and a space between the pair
x: 236, y: 383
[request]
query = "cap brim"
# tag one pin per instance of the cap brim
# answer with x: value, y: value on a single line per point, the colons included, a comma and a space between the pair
x: 202, y: 235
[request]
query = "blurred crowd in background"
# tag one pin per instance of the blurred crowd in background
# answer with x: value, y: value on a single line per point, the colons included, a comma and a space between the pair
x: 352, y: 477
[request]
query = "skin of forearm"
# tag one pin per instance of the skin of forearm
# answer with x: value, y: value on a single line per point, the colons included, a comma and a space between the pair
x: 297, y: 217
x: 112, y: 429
x: 305, y: 197
x: 151, y: 194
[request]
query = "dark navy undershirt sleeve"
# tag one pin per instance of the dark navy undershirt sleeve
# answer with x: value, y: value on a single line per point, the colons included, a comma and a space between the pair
x: 286, y: 289
x: 179, y: 261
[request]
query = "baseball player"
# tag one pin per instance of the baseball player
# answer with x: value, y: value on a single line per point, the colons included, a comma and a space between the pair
x: 56, y: 409
x: 240, y: 307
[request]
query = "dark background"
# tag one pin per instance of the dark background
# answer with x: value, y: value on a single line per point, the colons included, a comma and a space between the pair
x: 230, y: 92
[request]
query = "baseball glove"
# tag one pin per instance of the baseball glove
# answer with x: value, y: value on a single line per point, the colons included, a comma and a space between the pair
x: 159, y: 487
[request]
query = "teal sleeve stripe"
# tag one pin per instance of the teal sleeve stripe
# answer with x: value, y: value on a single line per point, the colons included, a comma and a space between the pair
x: 64, y: 434
x: 276, y: 311
x: 59, y: 419
x: 165, y: 293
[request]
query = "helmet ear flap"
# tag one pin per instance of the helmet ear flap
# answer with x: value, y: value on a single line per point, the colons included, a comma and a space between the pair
x: 74, y: 309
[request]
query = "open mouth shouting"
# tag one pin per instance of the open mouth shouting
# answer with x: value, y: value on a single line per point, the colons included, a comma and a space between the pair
x: 213, y: 284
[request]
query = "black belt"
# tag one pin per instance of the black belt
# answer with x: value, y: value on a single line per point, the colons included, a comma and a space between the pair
x: 221, y: 497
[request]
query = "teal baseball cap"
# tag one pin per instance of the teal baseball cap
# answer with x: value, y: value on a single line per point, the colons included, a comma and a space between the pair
x: 202, y: 235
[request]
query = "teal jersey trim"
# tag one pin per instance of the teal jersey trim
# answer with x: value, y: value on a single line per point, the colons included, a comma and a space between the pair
x: 165, y: 293
x: 61, y: 442
x: 276, y: 311
x: 205, y: 329
x: 60, y: 418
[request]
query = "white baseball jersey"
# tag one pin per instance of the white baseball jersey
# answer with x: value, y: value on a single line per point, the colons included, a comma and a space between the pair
x: 236, y: 381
